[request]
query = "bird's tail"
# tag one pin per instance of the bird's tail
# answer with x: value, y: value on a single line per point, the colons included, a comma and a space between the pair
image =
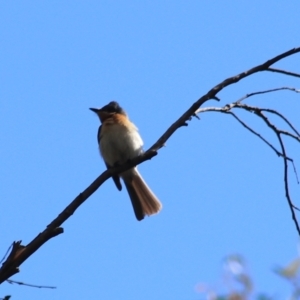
x: 143, y: 200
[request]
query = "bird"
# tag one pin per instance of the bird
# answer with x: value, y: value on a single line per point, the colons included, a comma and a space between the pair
x: 119, y: 142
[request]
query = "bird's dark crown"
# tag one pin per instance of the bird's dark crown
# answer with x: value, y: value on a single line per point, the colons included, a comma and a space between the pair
x: 113, y: 107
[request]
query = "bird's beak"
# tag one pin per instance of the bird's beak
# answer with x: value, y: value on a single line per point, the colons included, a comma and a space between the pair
x: 95, y: 110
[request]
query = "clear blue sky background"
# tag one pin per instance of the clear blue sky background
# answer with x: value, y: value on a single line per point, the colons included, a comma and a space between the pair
x: 221, y: 188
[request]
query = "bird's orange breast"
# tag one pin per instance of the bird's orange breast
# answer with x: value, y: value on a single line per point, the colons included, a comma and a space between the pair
x: 118, y: 119
x: 116, y: 124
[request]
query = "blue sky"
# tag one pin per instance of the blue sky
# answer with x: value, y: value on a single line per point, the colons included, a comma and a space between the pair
x: 221, y: 188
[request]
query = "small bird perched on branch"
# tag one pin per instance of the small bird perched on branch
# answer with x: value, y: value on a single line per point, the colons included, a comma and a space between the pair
x: 119, y: 141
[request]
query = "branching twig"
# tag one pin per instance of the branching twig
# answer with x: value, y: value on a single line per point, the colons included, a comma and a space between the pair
x: 278, y: 132
x: 20, y: 253
x: 297, y: 138
x: 256, y: 133
x: 227, y: 110
x: 282, y: 117
x: 285, y: 161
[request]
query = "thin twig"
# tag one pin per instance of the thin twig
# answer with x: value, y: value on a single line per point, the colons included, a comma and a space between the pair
x: 6, y: 253
x: 295, y: 171
x: 295, y: 207
x: 267, y: 91
x: 31, y: 285
x: 283, y: 72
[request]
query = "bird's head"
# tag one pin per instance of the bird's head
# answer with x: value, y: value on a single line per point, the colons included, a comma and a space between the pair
x: 106, y: 111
